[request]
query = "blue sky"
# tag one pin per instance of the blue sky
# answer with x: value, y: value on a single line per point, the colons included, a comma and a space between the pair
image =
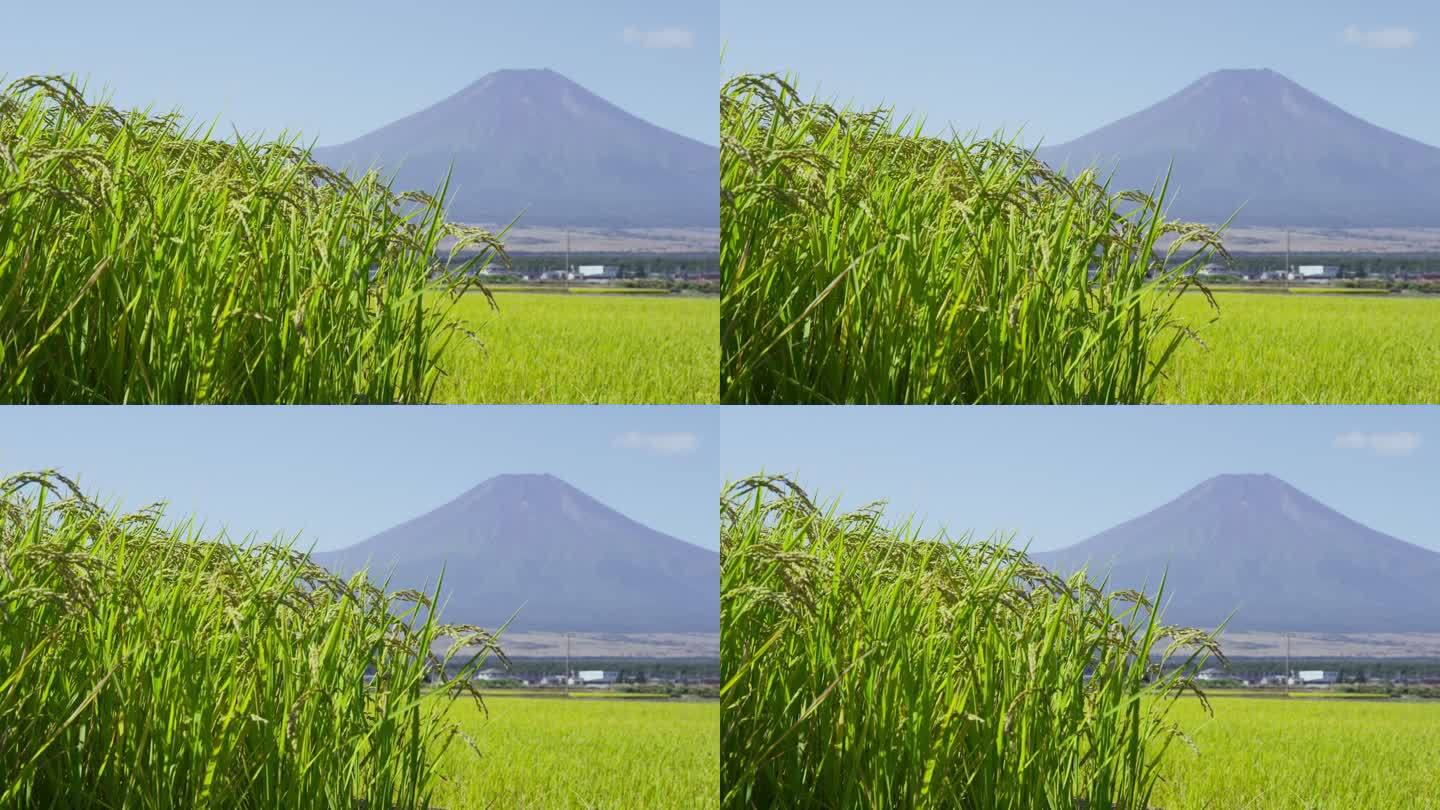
x: 1056, y: 476
x: 1061, y: 68
x: 335, y: 476
x: 336, y: 70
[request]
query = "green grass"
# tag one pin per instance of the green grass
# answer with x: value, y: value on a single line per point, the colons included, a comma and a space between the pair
x: 144, y: 261
x: 865, y: 262
x: 1278, y: 290
x: 866, y: 666
x: 586, y: 694
x: 1327, y: 694
x: 1308, y: 349
x: 595, y: 290
x: 1304, y: 755
x: 586, y: 348
x: 540, y: 753
x: 1336, y: 291
x: 146, y: 666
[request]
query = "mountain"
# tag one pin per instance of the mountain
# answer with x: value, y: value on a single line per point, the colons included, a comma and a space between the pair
x: 535, y: 541
x: 535, y: 141
x: 1286, y: 561
x: 1254, y: 137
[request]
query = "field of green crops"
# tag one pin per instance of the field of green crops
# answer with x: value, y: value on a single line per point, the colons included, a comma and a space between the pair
x: 146, y: 261
x: 1304, y: 755
x: 591, y: 754
x: 1308, y: 349
x: 585, y: 348
x: 148, y: 668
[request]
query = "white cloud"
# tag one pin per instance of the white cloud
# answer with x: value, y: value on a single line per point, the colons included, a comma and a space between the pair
x: 660, y: 444
x: 672, y: 37
x: 1392, y: 37
x: 1381, y: 444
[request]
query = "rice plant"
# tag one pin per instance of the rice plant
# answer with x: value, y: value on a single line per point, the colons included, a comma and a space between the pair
x: 144, y: 261
x: 864, y: 665
x: 151, y: 667
x: 864, y: 262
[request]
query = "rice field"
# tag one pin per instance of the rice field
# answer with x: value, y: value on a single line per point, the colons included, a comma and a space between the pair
x: 863, y: 262
x: 144, y: 260
x: 585, y: 349
x: 864, y: 665
x: 1304, y: 755
x: 1334, y: 349
x: 543, y: 753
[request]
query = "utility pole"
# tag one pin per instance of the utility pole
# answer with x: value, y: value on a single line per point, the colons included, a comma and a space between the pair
x: 1287, y: 659
x: 569, y: 675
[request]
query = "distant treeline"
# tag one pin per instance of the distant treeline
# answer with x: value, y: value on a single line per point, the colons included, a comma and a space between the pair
x: 669, y: 668
x: 1348, y: 668
x: 632, y: 265
x: 1352, y: 265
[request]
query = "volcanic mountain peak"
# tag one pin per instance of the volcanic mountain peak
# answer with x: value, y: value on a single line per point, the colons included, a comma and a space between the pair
x: 1242, y: 481
x: 1255, y: 542
x: 1255, y: 138
x: 536, y: 540
x: 536, y: 141
x: 1244, y: 80
x: 1238, y: 487
x: 520, y: 485
x: 535, y: 495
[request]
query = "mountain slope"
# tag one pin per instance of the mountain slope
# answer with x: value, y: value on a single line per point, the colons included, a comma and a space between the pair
x: 1282, y: 559
x: 533, y: 140
x: 1254, y: 137
x: 534, y: 540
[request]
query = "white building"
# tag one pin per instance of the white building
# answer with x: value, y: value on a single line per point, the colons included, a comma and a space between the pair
x: 1315, y: 677
x: 595, y: 677
x: 596, y: 272
x: 1317, y: 272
